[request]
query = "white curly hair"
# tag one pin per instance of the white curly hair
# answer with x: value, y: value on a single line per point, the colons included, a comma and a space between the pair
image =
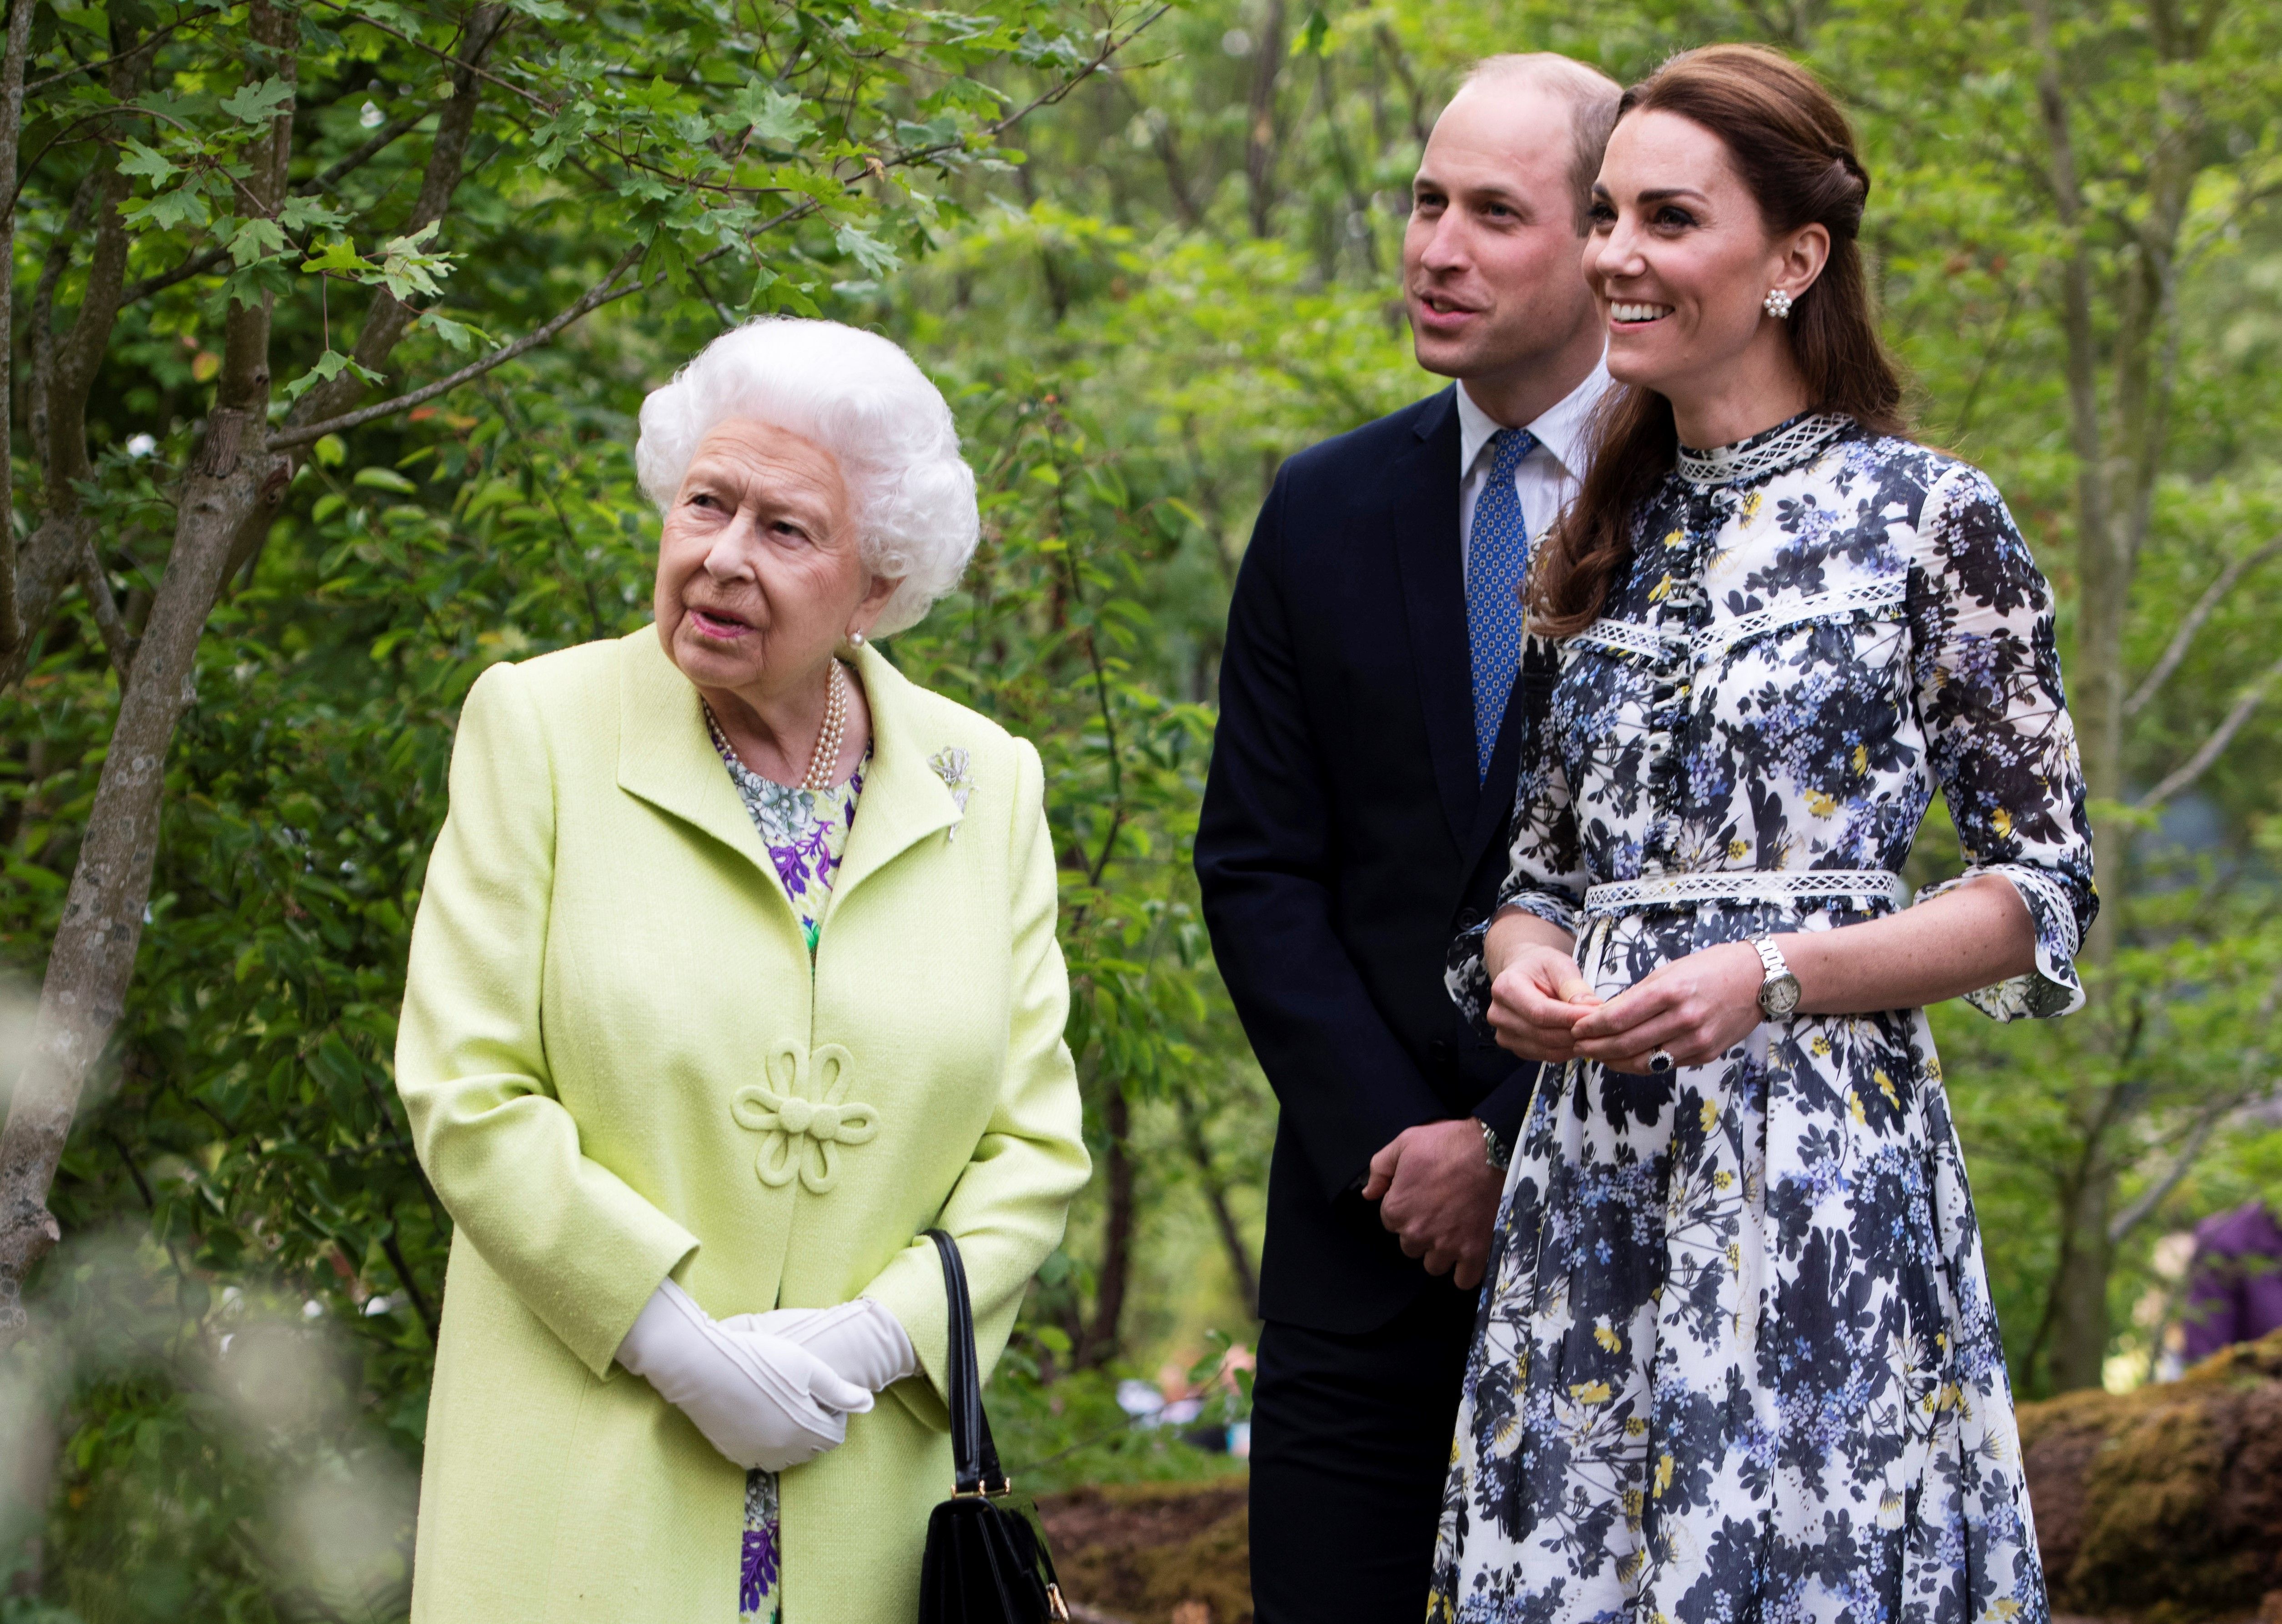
x: 861, y: 397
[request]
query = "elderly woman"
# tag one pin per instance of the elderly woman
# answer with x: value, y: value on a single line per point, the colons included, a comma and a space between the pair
x: 735, y: 971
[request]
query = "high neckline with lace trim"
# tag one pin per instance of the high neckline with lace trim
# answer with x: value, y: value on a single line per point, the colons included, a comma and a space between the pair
x: 1770, y: 451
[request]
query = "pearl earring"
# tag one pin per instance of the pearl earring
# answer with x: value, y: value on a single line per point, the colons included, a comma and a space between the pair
x: 1777, y: 303
x: 855, y: 640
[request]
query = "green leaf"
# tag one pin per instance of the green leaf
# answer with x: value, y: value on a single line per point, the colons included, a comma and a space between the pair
x: 340, y: 255
x: 256, y: 239
x: 151, y: 164
x: 300, y: 214
x: 774, y: 118
x: 331, y: 451
x: 258, y: 104
x: 328, y: 366
x: 385, y: 479
x: 185, y: 206
x: 868, y: 251
x: 458, y: 335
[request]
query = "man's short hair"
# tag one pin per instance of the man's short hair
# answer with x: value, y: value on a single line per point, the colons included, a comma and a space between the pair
x: 1592, y: 97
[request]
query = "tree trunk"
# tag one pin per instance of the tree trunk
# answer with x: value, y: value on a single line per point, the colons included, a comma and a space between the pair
x: 1261, y: 138
x: 1215, y: 1188
x: 93, y: 959
x: 2078, y: 1348
x: 1101, y: 1343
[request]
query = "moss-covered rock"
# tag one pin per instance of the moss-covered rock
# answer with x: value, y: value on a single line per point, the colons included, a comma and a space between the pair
x: 1156, y: 1553
x: 2164, y: 1503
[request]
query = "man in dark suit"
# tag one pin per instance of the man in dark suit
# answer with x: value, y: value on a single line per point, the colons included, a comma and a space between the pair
x: 1362, y: 778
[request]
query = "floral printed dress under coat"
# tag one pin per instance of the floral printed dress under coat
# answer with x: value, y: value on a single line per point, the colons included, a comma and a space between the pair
x: 806, y: 833
x: 1735, y: 1358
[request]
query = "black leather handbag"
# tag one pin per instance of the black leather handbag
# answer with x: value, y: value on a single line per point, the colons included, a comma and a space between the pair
x: 987, y: 1561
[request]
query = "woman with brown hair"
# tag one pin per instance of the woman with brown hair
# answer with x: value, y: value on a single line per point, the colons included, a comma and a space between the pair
x: 1736, y: 1356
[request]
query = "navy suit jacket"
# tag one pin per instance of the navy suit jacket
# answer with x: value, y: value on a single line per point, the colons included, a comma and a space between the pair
x: 1344, y: 838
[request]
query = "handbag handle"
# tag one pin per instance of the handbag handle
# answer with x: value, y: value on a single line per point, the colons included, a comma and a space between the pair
x: 974, y: 1457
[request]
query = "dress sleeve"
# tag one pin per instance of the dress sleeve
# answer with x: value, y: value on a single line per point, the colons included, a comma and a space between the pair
x: 1987, y: 679
x: 1545, y: 872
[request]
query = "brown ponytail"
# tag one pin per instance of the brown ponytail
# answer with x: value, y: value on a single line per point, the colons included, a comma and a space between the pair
x: 1791, y: 143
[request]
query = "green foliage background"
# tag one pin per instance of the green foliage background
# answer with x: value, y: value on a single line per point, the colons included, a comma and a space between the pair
x: 1187, y: 272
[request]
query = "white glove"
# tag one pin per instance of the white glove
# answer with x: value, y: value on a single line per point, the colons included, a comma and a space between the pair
x: 861, y: 1340
x: 760, y: 1400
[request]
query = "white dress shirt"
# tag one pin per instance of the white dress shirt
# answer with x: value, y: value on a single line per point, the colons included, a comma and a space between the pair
x: 1545, y: 479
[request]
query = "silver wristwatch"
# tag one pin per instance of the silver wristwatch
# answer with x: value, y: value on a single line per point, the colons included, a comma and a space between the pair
x: 1778, y: 992
x: 1494, y: 1148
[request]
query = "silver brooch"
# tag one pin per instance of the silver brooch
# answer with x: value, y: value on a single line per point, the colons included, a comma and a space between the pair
x: 954, y: 766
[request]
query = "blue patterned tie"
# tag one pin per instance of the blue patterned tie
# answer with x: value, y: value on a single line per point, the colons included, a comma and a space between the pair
x: 1497, y: 560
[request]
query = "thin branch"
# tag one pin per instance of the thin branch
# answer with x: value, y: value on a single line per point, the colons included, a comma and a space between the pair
x: 42, y: 337
x: 2221, y: 737
x: 2251, y: 1084
x: 441, y: 55
x: 389, y: 317
x: 396, y: 1260
x: 2183, y: 638
x: 11, y: 127
x: 199, y: 264
x: 606, y: 291
x: 88, y: 67
x: 2140, y: 1210
x: 117, y: 640
x: 602, y: 292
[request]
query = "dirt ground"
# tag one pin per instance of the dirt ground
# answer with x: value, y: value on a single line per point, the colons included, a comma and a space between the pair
x: 2162, y: 1506
x: 1153, y: 1553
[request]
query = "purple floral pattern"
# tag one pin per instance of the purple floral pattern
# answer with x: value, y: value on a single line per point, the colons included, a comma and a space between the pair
x: 806, y: 833
x: 757, y: 1598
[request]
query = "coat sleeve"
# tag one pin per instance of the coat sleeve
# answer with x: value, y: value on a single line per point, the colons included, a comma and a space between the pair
x: 1267, y: 856
x: 580, y: 1248
x: 1009, y: 1206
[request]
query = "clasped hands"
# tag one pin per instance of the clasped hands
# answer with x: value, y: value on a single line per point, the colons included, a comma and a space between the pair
x: 1695, y: 1009
x: 768, y: 1390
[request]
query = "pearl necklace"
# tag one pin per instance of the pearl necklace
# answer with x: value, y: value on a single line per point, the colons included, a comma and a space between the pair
x: 823, y: 766
x: 824, y: 760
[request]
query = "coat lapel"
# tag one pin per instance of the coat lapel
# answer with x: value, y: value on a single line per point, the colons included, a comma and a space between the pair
x: 1426, y: 527
x: 666, y: 757
x: 905, y: 798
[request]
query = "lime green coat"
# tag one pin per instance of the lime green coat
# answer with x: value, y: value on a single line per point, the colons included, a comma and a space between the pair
x: 606, y: 977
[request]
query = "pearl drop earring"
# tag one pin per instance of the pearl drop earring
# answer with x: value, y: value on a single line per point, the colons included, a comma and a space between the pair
x: 855, y: 640
x: 1777, y: 304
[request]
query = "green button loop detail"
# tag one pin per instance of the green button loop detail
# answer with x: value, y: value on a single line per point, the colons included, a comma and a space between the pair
x: 803, y: 1125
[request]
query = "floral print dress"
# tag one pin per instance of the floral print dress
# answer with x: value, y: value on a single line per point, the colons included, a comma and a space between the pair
x: 1735, y: 1357
x: 806, y: 833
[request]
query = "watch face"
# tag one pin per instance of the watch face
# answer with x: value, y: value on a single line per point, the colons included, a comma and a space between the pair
x: 1779, y: 996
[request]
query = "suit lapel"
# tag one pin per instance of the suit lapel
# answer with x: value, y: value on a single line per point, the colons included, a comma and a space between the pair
x: 1424, y: 520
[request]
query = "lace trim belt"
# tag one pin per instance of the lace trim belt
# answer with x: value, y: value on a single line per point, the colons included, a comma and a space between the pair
x: 1654, y: 643
x: 1780, y: 885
